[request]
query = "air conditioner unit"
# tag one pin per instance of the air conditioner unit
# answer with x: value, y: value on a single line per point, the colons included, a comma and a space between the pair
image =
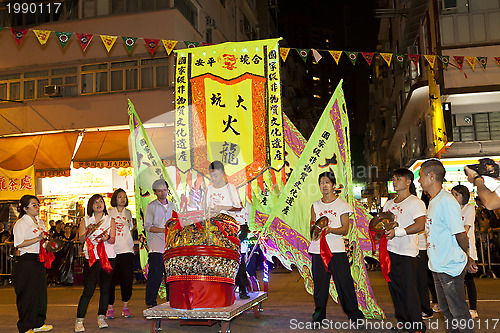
x: 448, y: 6
x: 53, y: 91
x: 464, y: 119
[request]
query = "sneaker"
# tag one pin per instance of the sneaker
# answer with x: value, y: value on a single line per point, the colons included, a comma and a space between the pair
x: 427, y: 316
x: 473, y: 314
x: 100, y: 322
x: 126, y: 313
x: 244, y: 296
x: 435, y: 307
x: 29, y: 331
x: 44, y: 328
x: 79, y: 325
x: 110, y: 314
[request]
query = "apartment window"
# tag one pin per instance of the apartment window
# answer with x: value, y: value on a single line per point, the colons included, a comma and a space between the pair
x: 10, y: 87
x: 154, y: 73
x: 484, y: 127
x: 124, y: 75
x: 93, y: 8
x: 188, y: 10
x: 94, y: 78
x: 67, y: 79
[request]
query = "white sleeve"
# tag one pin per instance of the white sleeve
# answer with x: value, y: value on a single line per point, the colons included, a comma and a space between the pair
x: 235, y: 198
x: 128, y: 214
x: 469, y: 215
x: 418, y: 209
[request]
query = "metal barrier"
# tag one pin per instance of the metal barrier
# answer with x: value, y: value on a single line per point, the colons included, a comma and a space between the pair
x: 486, y: 261
x: 6, y: 260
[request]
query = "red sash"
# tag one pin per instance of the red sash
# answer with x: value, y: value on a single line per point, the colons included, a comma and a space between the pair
x: 45, y: 257
x: 385, y: 261
x: 326, y: 254
x: 101, y: 252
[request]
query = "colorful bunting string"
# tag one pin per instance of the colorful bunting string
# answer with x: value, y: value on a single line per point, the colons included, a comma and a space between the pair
x: 152, y: 44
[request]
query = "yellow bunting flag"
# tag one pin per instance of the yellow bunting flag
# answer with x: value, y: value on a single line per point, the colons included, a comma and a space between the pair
x: 471, y: 61
x: 169, y: 45
x: 108, y: 41
x: 42, y: 35
x: 431, y: 59
x: 336, y: 55
x: 284, y: 53
x: 387, y: 57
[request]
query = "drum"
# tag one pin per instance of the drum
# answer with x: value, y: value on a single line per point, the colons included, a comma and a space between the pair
x: 201, y: 260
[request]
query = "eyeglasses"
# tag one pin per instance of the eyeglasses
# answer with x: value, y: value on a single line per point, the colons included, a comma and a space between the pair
x: 34, y: 205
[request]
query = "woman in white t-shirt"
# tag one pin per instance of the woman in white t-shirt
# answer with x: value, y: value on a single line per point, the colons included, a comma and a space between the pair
x: 97, y: 230
x: 222, y: 197
x: 462, y: 195
x: 124, y: 250
x: 337, y: 211
x: 28, y: 272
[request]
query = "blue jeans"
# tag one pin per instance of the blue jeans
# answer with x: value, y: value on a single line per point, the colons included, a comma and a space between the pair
x: 155, y: 276
x: 451, y: 298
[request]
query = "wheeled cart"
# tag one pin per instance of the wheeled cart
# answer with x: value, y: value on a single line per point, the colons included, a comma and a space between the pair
x: 224, y: 315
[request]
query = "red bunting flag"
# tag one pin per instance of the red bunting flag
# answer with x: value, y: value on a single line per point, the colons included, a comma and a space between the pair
x: 497, y: 60
x: 368, y: 57
x: 459, y: 60
x: 19, y: 34
x: 414, y: 59
x: 152, y: 44
x: 84, y: 40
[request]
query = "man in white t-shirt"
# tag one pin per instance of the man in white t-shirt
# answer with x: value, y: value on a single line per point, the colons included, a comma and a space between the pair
x: 402, y: 245
x: 158, y: 212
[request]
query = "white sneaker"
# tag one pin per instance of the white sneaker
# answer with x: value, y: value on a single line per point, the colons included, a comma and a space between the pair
x: 473, y: 314
x: 79, y: 325
x: 43, y: 328
x: 100, y: 321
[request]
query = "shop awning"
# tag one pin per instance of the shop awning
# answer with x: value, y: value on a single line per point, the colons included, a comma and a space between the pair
x: 112, y: 148
x: 49, y: 153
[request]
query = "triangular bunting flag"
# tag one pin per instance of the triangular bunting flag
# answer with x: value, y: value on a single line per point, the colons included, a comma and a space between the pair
x: 316, y: 55
x: 1, y: 28
x: 483, y: 61
x: 129, y: 42
x: 303, y: 53
x: 19, y: 34
x: 459, y: 60
x: 206, y: 44
x: 336, y: 55
x: 368, y: 57
x: 497, y: 60
x: 431, y: 59
x: 191, y: 45
x: 387, y: 57
x: 63, y: 37
x: 414, y: 59
x: 169, y: 45
x: 152, y: 44
x: 284, y: 53
x: 42, y: 35
x: 108, y: 41
x: 471, y: 61
x: 84, y: 40
x: 353, y: 56
x: 445, y: 60
x: 400, y: 58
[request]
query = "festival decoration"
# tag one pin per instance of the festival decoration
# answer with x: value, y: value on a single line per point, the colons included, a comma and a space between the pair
x: 19, y: 34
x: 400, y: 58
x: 431, y: 59
x: 316, y: 55
x: 368, y: 57
x: 387, y: 58
x: 284, y: 53
x: 15, y: 184
x: 84, y: 40
x: 353, y: 56
x: 445, y: 60
x: 219, y: 91
x: 471, y: 61
x: 328, y: 148
x: 63, y: 37
x: 336, y: 55
x: 414, y: 59
x: 148, y: 167
x: 191, y: 45
x: 129, y: 43
x: 152, y: 44
x: 169, y: 45
x: 439, y: 135
x: 42, y: 36
x: 459, y: 60
x: 108, y: 41
x: 483, y: 61
x: 497, y: 60
x: 303, y: 53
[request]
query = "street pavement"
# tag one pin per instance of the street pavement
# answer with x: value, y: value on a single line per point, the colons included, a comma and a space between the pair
x: 287, y: 308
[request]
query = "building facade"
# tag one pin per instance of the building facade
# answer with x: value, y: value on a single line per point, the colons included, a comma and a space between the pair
x: 400, y: 127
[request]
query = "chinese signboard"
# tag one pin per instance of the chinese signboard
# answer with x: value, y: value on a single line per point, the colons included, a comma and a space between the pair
x: 15, y: 184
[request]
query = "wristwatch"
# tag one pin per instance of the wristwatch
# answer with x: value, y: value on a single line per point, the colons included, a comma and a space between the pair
x: 477, y: 176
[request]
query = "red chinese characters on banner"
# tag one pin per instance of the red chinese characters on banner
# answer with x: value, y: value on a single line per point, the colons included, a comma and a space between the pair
x: 14, y: 184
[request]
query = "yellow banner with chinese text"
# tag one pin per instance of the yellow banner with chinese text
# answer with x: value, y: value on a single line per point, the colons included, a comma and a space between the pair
x: 439, y: 136
x: 228, y: 108
x: 15, y: 184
